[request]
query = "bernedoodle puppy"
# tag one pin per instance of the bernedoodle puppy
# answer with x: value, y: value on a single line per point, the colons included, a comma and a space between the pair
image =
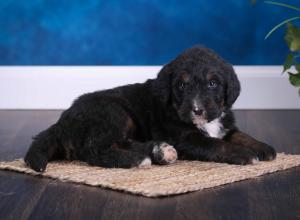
x: 185, y: 113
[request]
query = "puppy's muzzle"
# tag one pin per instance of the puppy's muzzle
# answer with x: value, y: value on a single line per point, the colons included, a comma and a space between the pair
x: 199, y: 111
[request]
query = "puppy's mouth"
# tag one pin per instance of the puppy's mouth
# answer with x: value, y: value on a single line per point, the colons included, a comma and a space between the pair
x: 211, y: 128
x: 198, y: 120
x: 197, y: 116
x: 201, y: 120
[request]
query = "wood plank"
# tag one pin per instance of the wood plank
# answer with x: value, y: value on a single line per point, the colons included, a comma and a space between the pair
x: 19, y: 194
x: 275, y: 196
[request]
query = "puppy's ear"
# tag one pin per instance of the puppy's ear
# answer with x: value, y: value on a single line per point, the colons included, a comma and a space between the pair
x: 233, y: 89
x: 162, y: 86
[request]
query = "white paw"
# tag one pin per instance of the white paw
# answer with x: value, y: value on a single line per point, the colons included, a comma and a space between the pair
x: 146, y: 163
x: 164, y: 153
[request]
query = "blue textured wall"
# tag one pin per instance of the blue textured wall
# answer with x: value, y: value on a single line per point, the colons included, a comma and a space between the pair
x: 136, y: 32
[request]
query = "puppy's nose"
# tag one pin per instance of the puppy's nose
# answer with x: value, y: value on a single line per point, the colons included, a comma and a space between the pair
x: 198, y: 111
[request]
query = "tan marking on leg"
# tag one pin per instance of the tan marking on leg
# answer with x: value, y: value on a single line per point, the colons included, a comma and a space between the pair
x: 129, y: 127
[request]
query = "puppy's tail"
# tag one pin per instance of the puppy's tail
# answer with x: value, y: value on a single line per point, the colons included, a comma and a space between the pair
x: 44, y: 147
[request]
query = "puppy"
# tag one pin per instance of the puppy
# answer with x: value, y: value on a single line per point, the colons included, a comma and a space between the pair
x: 184, y: 113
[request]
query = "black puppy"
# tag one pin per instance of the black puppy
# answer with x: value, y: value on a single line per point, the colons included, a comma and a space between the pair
x: 185, y: 111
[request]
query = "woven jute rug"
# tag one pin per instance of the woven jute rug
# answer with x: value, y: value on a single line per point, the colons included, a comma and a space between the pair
x: 180, y: 177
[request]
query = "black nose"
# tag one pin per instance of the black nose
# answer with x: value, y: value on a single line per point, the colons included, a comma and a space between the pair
x: 198, y: 111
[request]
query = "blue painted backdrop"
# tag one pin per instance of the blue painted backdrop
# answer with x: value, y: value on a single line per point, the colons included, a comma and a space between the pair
x: 137, y: 32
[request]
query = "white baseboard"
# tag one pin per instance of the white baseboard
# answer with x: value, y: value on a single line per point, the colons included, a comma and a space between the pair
x: 55, y: 87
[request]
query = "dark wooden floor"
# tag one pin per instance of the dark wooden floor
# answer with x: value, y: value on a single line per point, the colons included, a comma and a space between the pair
x: 275, y: 196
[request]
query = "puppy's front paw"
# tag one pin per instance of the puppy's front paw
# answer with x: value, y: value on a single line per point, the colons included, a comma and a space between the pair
x: 238, y: 155
x: 264, y: 151
x: 164, y: 153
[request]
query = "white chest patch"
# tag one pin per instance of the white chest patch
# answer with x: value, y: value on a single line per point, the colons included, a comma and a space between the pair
x: 213, y: 129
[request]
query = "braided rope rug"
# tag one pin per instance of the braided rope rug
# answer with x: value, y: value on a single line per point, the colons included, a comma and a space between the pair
x: 177, y: 178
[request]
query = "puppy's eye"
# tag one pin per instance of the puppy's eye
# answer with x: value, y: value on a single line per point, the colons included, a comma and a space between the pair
x: 212, y: 84
x: 181, y: 86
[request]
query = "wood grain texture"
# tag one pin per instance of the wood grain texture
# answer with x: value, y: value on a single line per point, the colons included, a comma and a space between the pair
x: 275, y: 196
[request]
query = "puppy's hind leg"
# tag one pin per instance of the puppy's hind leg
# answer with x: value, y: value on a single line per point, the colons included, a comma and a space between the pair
x: 115, y: 157
x: 44, y: 146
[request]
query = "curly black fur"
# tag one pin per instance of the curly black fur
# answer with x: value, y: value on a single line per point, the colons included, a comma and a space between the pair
x: 188, y: 106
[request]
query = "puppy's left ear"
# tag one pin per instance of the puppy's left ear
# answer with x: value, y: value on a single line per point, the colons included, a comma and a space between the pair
x: 233, y: 88
x: 162, y: 85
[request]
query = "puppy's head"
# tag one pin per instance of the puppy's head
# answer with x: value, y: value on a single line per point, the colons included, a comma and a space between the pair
x: 198, y: 84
